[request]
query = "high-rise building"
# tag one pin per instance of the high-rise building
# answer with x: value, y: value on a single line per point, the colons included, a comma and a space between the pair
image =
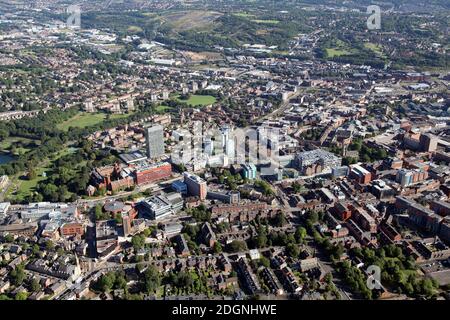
x: 126, y: 222
x: 230, y: 149
x: 225, y: 134
x: 428, y: 142
x: 196, y: 186
x: 155, y: 141
x: 209, y: 146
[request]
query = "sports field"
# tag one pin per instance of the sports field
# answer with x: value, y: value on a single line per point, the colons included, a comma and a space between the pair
x: 196, y: 100
x: 83, y: 120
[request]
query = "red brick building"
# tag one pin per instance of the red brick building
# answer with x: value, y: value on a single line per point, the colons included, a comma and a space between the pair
x: 72, y: 229
x: 151, y: 174
x: 342, y: 211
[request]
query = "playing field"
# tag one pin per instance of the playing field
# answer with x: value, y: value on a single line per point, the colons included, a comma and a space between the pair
x: 83, y: 120
x: 196, y: 100
x: 333, y: 52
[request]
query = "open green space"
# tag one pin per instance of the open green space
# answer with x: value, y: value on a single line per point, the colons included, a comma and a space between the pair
x: 22, y: 187
x: 266, y: 21
x: 134, y: 29
x: 337, y: 48
x: 83, y: 120
x: 16, y: 145
x: 196, y: 100
x: 25, y: 186
x: 377, y: 49
x: 162, y: 108
x: 243, y: 14
x: 334, y: 52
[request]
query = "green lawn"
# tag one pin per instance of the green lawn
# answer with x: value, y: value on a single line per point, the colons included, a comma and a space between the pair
x: 334, y: 52
x: 339, y: 48
x: 134, y: 29
x: 196, y: 100
x: 162, y: 108
x: 24, y: 186
x: 266, y: 21
x: 83, y: 120
x: 19, y: 143
x: 27, y: 186
x: 377, y: 49
x: 243, y: 14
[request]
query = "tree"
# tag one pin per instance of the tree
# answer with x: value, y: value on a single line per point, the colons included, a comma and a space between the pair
x: 138, y: 241
x: 98, y: 212
x: 264, y: 261
x: 34, y: 285
x: 21, y: 296
x: 313, y: 216
x: 147, y: 232
x: 8, y: 238
x: 106, y: 282
x: 121, y: 282
x: 31, y: 175
x: 217, y: 248
x: 280, y: 220
x: 49, y: 245
x: 35, y: 249
x: 118, y: 218
x: 300, y: 234
x: 191, y: 230
x: 17, y: 275
x: 237, y: 246
x: 337, y: 251
x: 182, y: 279
x: 297, y: 187
x: 292, y: 250
x: 152, y: 279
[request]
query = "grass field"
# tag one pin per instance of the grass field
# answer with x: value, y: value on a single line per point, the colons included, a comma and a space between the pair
x: 334, y: 52
x: 134, y: 29
x: 339, y: 48
x: 192, y: 19
x: 162, y: 108
x: 26, y: 186
x: 243, y: 14
x: 83, y: 120
x: 266, y: 21
x: 196, y: 100
x: 377, y: 49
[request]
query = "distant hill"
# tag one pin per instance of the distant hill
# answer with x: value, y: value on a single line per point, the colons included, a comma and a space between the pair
x: 398, y: 5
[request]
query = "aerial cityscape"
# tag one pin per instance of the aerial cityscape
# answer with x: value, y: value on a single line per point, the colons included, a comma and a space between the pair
x: 224, y: 150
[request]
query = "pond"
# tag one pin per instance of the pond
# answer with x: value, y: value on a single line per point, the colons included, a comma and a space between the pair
x: 5, y: 158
